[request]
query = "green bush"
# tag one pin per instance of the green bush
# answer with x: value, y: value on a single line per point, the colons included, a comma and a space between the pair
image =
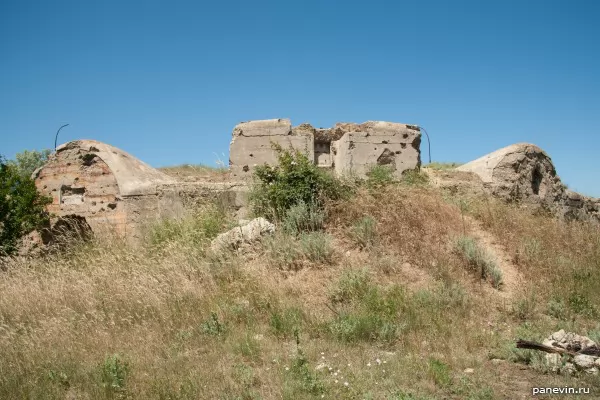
x: 380, y: 175
x: 114, y: 373
x: 316, y: 246
x: 195, y: 229
x: 22, y: 208
x: 26, y: 162
x: 303, y: 217
x: 284, y: 252
x: 414, y: 177
x: 295, y: 180
x: 479, y: 260
x: 364, y: 232
x: 285, y: 322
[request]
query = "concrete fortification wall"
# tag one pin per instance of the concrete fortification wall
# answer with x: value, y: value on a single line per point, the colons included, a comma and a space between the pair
x: 252, y: 144
x: 347, y: 148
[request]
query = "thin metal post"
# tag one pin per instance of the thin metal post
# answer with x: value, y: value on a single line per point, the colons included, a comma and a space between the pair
x: 428, y: 142
x: 56, y: 137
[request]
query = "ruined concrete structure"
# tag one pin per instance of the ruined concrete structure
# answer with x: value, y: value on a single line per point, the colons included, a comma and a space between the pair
x: 111, y: 191
x: 347, y: 148
x: 106, y: 186
x: 525, y: 173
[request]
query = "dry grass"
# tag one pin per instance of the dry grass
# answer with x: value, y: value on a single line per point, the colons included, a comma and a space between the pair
x: 168, y: 321
x: 197, y: 172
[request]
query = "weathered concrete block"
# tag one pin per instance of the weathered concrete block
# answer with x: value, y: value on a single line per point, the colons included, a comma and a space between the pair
x: 267, y: 127
x: 252, y: 145
x: 376, y: 143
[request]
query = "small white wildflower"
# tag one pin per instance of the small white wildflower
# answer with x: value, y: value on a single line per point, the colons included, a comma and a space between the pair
x: 322, y: 353
x: 378, y: 361
x: 346, y: 384
x: 349, y: 364
x: 335, y: 374
x: 368, y: 364
x: 330, y: 369
x: 322, y: 357
x: 287, y: 368
x: 336, y: 381
x: 384, y: 361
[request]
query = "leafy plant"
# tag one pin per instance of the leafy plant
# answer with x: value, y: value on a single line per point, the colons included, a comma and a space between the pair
x: 303, y: 217
x: 26, y: 162
x: 316, y: 246
x: 294, y: 180
x: 379, y: 175
x: 22, y: 208
x: 414, y: 177
x: 114, y: 374
x: 478, y: 259
x: 440, y: 372
x: 364, y: 232
x: 213, y: 326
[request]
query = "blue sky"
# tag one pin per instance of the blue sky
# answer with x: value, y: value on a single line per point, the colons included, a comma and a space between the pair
x: 168, y: 80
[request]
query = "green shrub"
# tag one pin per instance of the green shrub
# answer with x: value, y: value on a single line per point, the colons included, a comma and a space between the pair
x: 303, y: 217
x: 364, y: 232
x: 22, y: 208
x: 114, y: 373
x: 478, y: 259
x: 380, y: 175
x: 316, y: 246
x: 351, y: 285
x: 195, y: 229
x: 414, y: 177
x: 440, y: 372
x: 368, y: 313
x: 213, y: 326
x: 295, y: 180
x: 26, y: 162
x: 284, y: 252
x: 285, y: 322
x: 303, y: 377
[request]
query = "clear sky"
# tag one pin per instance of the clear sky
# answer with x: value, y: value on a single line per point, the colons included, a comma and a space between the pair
x: 168, y: 80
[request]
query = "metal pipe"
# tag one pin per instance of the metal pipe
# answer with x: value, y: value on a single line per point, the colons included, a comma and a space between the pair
x: 428, y: 142
x: 56, y: 137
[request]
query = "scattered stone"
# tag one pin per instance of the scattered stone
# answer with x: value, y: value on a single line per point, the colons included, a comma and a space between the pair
x: 573, y: 343
x: 569, y: 369
x: 469, y: 371
x: 583, y: 361
x: 241, y: 235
